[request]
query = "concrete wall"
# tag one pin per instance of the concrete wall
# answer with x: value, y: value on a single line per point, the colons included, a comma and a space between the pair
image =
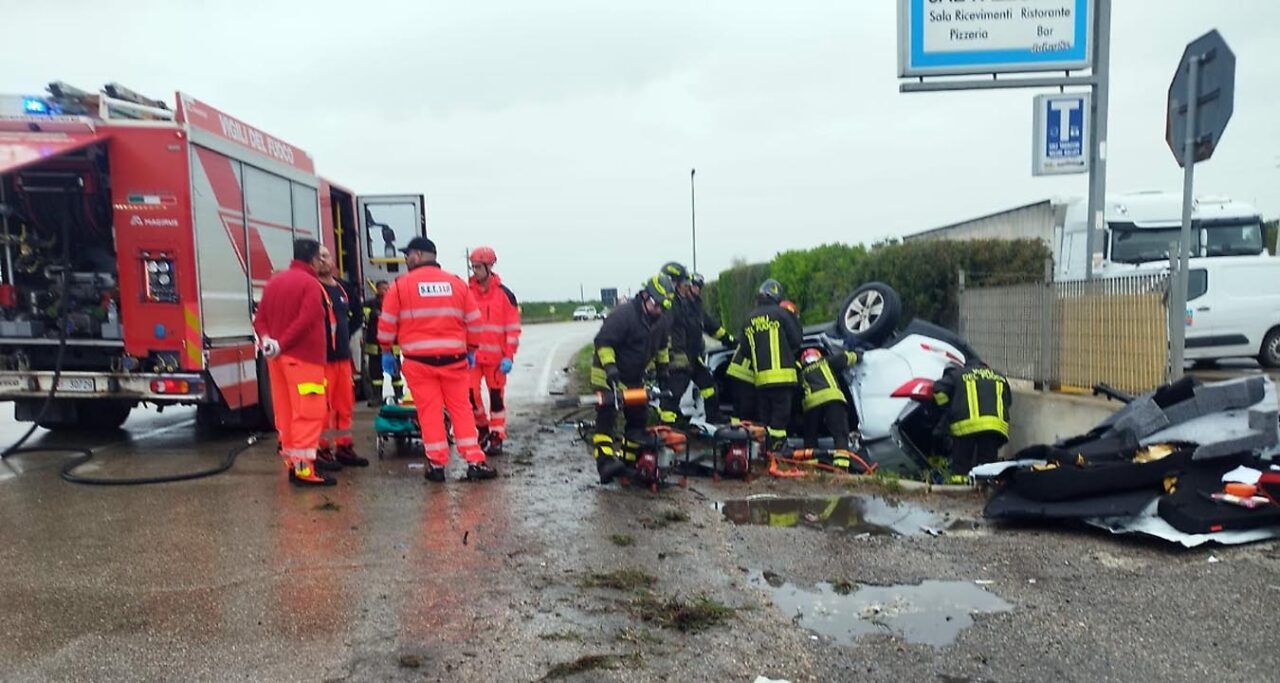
x: 1032, y: 221
x: 1038, y: 417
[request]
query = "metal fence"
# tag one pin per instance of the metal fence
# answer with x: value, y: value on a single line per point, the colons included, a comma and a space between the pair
x: 1112, y: 330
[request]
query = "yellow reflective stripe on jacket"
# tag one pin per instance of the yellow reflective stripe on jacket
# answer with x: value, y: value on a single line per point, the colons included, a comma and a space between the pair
x: 940, y: 398
x: 664, y: 356
x: 309, y: 388
x: 775, y: 376
x: 1000, y: 400
x: 741, y: 371
x: 775, y: 350
x: 971, y: 395
x: 708, y: 392
x: 607, y: 355
x: 990, y: 423
x: 679, y: 360
x: 829, y: 392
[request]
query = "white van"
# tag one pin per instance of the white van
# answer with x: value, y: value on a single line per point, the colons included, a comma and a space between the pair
x: 1233, y: 302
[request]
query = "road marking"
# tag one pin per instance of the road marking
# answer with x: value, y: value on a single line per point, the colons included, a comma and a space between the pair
x: 544, y: 382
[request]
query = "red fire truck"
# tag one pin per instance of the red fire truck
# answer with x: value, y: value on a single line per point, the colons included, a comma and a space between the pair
x: 135, y: 239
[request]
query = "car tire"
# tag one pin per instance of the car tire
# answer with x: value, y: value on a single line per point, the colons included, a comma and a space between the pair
x: 869, y: 315
x: 1269, y: 355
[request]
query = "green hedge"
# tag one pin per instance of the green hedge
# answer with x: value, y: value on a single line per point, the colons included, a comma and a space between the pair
x: 924, y: 273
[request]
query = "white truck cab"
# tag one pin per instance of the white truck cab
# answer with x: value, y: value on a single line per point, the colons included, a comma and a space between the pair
x: 1233, y: 302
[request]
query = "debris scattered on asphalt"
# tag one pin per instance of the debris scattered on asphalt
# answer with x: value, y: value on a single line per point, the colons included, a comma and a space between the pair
x: 417, y: 465
x: 589, y: 663
x: 622, y: 540
x: 570, y: 636
x: 410, y: 661
x: 1213, y: 559
x: 327, y: 506
x: 692, y: 616
x: 859, y: 514
x: 621, y: 579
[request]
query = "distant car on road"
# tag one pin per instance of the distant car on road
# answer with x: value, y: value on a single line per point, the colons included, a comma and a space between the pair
x: 584, y: 313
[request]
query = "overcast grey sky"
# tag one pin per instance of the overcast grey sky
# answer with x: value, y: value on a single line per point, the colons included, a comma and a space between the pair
x: 562, y: 132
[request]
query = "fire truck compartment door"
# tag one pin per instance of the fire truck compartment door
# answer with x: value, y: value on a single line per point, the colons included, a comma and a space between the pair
x: 21, y: 149
x: 387, y: 223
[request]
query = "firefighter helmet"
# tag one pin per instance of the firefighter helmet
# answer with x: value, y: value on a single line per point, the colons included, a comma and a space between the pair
x: 810, y: 356
x: 484, y: 255
x: 660, y: 290
x: 789, y: 306
x: 697, y: 280
x: 677, y: 272
x: 771, y: 289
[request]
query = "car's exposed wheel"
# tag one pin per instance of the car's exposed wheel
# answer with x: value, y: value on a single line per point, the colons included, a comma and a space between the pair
x: 870, y: 314
x: 1269, y: 356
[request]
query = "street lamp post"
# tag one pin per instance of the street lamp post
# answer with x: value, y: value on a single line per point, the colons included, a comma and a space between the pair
x: 693, y: 217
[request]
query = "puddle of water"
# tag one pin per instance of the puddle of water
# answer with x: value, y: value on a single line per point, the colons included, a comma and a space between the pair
x: 932, y: 613
x: 856, y: 514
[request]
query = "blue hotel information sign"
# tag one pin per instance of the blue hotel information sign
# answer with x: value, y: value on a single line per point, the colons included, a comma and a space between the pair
x: 952, y: 37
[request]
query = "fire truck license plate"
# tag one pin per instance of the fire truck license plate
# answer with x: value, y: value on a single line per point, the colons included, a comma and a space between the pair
x: 75, y: 384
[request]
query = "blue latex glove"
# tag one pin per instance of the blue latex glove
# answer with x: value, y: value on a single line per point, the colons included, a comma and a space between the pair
x: 471, y: 359
x: 388, y: 363
x: 505, y: 366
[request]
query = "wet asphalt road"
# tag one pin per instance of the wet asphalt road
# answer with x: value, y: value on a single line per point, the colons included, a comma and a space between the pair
x: 385, y: 577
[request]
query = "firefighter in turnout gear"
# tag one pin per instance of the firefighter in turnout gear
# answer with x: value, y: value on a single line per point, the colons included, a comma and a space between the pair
x: 373, y: 367
x: 700, y: 323
x: 433, y: 317
x: 499, y: 339
x: 824, y: 403
x: 976, y: 400
x: 633, y: 337
x: 676, y: 378
x: 742, y: 386
x: 772, y: 336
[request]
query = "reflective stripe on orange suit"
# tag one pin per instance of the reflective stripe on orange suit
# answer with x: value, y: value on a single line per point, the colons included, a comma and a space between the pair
x: 298, y: 402
x: 499, y: 338
x: 436, y: 389
x: 430, y: 313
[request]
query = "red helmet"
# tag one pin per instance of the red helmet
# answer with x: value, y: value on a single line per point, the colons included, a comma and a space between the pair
x: 484, y: 255
x: 810, y: 355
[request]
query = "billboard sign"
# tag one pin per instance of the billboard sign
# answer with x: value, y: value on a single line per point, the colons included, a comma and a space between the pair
x: 952, y: 37
x: 1061, y: 143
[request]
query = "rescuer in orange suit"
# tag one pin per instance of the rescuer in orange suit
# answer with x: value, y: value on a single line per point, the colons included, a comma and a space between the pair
x: 290, y: 325
x: 499, y: 337
x: 337, y: 448
x: 433, y: 318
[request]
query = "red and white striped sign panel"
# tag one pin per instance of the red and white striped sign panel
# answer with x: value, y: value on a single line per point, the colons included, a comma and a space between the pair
x: 199, y: 115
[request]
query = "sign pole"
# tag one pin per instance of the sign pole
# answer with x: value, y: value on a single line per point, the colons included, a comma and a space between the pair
x: 1098, y: 131
x: 1178, y: 300
x: 693, y: 218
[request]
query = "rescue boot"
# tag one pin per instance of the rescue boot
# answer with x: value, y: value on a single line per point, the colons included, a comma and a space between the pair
x: 435, y: 473
x: 480, y: 471
x: 326, y: 462
x: 346, y: 456
x: 493, y: 446
x: 609, y: 467
x: 306, y: 475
